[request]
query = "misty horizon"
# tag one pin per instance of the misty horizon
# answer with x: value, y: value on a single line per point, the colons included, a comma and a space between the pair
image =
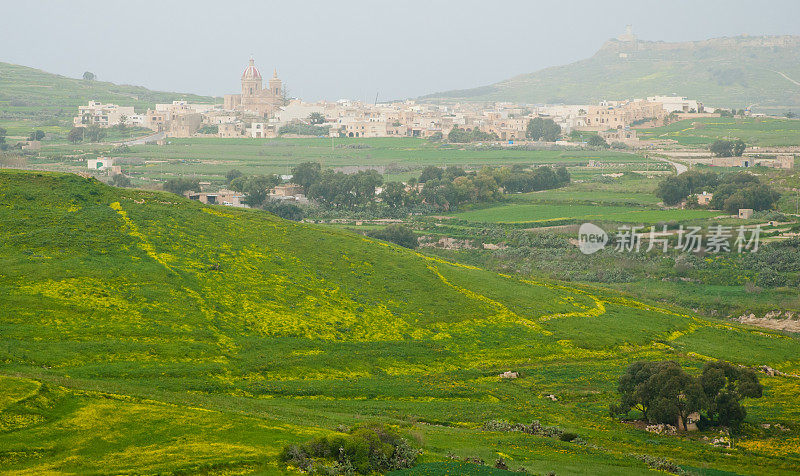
x: 351, y: 50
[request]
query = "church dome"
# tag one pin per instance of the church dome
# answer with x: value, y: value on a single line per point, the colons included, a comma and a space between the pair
x: 251, y: 72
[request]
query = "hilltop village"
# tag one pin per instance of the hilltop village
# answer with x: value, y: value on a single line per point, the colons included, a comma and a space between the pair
x: 263, y: 111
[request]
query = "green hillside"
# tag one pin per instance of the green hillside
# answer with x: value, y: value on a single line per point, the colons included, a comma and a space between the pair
x: 32, y: 97
x: 144, y: 333
x: 763, y: 72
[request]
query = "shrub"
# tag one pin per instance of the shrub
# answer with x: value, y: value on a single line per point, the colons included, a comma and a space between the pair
x: 397, y: 234
x: 567, y: 436
x: 367, y: 449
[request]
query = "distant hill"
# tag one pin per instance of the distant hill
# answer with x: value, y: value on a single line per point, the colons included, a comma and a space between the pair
x: 727, y: 72
x: 141, y: 332
x: 32, y: 94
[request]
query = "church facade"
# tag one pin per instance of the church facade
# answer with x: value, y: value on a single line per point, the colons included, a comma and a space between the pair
x: 255, y: 98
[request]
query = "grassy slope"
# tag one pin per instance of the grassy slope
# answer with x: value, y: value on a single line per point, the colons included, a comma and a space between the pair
x: 765, y: 132
x: 715, y: 74
x: 31, y: 97
x: 143, y: 332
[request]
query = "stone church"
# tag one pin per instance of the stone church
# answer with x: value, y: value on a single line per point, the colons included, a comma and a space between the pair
x: 254, y: 97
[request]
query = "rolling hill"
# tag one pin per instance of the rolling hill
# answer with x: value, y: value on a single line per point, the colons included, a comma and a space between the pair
x: 763, y: 72
x: 144, y: 333
x: 33, y: 96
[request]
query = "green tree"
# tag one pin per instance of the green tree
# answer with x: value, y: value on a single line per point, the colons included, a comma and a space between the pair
x: 256, y: 188
x: 232, y: 175
x: 430, y: 172
x: 364, y: 184
x: 38, y: 134
x: 393, y: 194
x: 597, y: 141
x: 725, y: 386
x: 3, y: 145
x: 287, y: 211
x: 120, y: 180
x: 722, y: 148
x: 180, y: 185
x: 661, y: 391
x: 316, y: 118
x: 544, y: 129
x: 76, y: 134
x: 306, y: 175
x: 95, y: 133
x: 738, y: 147
x: 398, y: 234
x: 89, y: 76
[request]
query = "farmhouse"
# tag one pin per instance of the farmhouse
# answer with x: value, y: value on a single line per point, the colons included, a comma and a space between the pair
x: 704, y: 198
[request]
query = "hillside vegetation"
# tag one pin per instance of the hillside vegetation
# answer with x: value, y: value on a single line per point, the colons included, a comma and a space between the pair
x: 31, y: 97
x: 142, y: 332
x: 763, y: 72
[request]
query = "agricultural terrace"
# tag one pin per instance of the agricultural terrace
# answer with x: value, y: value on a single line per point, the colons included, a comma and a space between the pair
x: 202, y: 338
x: 628, y: 199
x: 209, y: 158
x: 701, y: 132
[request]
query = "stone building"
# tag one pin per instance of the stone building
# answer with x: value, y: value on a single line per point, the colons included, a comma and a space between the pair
x: 254, y: 97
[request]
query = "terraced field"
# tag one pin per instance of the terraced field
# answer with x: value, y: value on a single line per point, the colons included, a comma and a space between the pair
x: 759, y: 131
x: 210, y: 158
x: 141, y: 332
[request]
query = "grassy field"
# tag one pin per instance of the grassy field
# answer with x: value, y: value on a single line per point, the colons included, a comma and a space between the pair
x: 765, y: 132
x: 626, y: 199
x: 141, y: 332
x: 402, y: 158
x: 533, y: 213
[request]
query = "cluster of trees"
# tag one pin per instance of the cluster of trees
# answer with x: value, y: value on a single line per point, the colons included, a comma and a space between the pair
x: 595, y: 140
x: 398, y: 234
x: 3, y: 145
x: 443, y: 189
x: 91, y: 133
x: 447, y: 189
x: 38, y: 134
x: 256, y: 190
x: 180, y: 185
x: 731, y: 191
x: 304, y: 129
x: 336, y: 189
x: 728, y: 148
x: 543, y: 129
x: 459, y: 135
x: 674, y: 189
x: 731, y: 113
x: 664, y: 393
x: 340, y: 190
x: 120, y: 180
x: 743, y: 190
x: 316, y: 118
x: 366, y: 449
x: 208, y: 129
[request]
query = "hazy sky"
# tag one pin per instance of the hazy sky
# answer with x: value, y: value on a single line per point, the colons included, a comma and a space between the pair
x: 351, y: 49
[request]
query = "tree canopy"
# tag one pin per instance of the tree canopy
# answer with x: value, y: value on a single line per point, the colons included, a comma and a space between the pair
x: 664, y: 393
x: 543, y: 129
x: 728, y: 148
